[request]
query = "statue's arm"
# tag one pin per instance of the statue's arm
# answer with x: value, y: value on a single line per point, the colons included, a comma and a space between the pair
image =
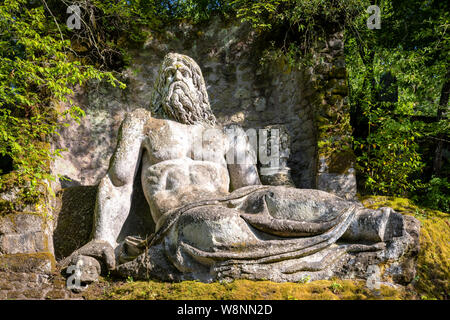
x: 243, y: 171
x: 115, y: 189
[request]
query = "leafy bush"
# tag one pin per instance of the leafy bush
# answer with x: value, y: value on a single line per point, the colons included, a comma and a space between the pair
x: 389, y: 156
x: 435, y: 194
x: 37, y: 74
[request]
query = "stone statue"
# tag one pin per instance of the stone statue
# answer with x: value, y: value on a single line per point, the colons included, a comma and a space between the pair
x: 213, y: 219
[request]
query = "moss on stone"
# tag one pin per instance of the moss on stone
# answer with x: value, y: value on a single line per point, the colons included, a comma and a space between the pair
x: 341, y: 162
x: 433, y: 265
x: 8, y: 181
x: 74, y: 219
x: 56, y: 294
x: 431, y: 281
x: 6, y: 208
x: 28, y: 262
x: 243, y: 290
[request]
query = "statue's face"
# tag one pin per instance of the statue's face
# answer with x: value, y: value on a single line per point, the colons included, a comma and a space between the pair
x: 180, y: 92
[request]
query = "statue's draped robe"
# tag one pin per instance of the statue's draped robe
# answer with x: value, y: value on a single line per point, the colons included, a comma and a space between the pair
x: 254, y: 227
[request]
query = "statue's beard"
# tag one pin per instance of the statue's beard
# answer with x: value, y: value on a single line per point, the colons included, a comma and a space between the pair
x: 181, y: 103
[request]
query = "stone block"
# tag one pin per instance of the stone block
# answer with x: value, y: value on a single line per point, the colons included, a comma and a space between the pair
x: 74, y: 219
x: 42, y: 262
x: 33, y: 293
x: 5, y: 284
x: 29, y: 242
x: 342, y: 185
x: 56, y: 294
x: 15, y: 295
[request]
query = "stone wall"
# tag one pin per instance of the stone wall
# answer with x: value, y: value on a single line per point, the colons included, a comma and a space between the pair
x: 28, y: 268
x: 31, y: 286
x: 335, y: 169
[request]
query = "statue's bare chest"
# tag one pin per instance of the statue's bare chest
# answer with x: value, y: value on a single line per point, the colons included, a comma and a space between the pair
x: 168, y: 140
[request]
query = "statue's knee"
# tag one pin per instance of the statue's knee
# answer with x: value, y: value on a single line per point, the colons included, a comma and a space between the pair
x: 207, y: 227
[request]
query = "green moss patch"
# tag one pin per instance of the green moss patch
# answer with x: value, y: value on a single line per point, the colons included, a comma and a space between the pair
x: 433, y: 264
x: 243, y: 290
x: 341, y: 162
x: 28, y: 262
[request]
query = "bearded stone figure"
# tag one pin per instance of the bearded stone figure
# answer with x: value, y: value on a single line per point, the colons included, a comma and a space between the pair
x: 212, y: 219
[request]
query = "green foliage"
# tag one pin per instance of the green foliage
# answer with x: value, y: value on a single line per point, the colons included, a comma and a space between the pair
x: 36, y: 76
x: 109, y: 27
x: 435, y: 194
x: 295, y: 27
x: 41, y: 61
x: 305, y: 279
x: 195, y: 11
x: 336, y: 287
x: 302, y: 15
x: 390, y: 137
x: 389, y: 156
x: 261, y: 14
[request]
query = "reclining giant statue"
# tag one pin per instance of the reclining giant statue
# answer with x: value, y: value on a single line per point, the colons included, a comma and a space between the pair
x: 213, y: 218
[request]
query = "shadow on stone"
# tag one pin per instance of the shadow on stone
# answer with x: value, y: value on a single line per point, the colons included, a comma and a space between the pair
x: 76, y: 216
x: 139, y: 222
x: 74, y: 219
x: 66, y: 182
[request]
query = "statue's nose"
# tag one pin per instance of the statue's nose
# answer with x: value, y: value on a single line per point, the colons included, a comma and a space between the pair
x: 178, y: 75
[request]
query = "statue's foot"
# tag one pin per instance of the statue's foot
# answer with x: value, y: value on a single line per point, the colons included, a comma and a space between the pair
x: 379, y: 225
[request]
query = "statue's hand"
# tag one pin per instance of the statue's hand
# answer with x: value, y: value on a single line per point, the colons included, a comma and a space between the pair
x: 86, y: 264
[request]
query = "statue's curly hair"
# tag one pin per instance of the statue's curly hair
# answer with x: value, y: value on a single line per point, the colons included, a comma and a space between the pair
x: 161, y: 104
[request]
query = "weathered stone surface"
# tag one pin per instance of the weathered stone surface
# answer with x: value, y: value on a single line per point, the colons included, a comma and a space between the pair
x: 21, y: 223
x: 32, y: 286
x: 32, y: 294
x: 19, y: 243
x: 15, y: 295
x: 10, y: 196
x: 56, y: 295
x: 100, y: 250
x: 207, y: 231
x: 74, y: 217
x: 341, y: 182
x: 24, y: 233
x: 344, y: 259
x: 42, y: 262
